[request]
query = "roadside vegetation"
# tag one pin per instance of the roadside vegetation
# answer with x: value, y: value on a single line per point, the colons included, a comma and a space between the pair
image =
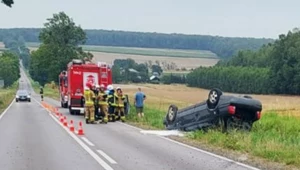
x: 9, y: 70
x: 7, y: 95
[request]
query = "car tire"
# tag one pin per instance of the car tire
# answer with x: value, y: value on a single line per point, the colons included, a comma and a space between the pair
x: 171, y: 114
x: 213, y: 98
x: 17, y: 100
x: 29, y: 100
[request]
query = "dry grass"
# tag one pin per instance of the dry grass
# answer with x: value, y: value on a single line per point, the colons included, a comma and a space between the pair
x: 161, y: 96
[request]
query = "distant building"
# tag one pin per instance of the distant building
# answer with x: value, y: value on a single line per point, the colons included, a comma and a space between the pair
x: 154, y: 79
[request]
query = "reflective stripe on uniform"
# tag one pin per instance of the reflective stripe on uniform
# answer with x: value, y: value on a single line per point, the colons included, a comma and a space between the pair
x: 88, y: 96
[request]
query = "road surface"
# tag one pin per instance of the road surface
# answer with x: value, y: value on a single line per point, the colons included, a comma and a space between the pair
x: 32, y: 138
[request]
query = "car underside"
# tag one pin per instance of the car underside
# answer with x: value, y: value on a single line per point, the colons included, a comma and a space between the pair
x: 224, y: 111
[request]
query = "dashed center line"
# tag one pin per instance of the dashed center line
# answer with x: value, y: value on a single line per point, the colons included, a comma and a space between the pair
x: 107, y: 157
x: 87, y: 141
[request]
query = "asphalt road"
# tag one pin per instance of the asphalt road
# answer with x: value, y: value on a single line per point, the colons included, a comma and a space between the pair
x: 32, y: 138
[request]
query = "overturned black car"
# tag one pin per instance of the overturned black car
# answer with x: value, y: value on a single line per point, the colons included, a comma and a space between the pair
x: 224, y: 111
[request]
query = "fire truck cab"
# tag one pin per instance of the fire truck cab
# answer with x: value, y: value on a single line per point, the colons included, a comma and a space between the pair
x: 79, y: 74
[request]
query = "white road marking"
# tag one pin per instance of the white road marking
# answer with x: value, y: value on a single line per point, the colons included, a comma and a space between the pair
x: 107, y: 157
x: 163, y: 132
x: 87, y: 141
x: 197, y: 149
x: 82, y: 144
x: 9, y: 106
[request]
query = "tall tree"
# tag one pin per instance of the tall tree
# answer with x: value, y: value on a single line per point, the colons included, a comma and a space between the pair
x: 9, y: 70
x: 60, y: 40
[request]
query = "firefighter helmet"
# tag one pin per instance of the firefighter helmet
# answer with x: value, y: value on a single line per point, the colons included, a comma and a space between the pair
x: 110, y: 87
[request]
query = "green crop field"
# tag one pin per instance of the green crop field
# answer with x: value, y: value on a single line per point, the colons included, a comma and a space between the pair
x: 145, y: 51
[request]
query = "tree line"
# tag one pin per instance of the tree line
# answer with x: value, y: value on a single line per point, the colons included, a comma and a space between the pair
x: 17, y: 46
x: 224, y: 47
x: 273, y: 69
x: 9, y: 70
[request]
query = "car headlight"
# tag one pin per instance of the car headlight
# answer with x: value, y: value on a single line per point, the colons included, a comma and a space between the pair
x: 17, y: 96
x: 28, y: 96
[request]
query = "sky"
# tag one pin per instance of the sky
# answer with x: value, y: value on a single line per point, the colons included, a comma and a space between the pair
x: 230, y: 18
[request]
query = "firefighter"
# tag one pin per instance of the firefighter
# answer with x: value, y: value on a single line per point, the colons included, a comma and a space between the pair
x: 96, y: 103
x: 119, y: 100
x: 111, y: 103
x: 89, y: 97
x: 94, y: 88
x: 42, y: 93
x: 103, y: 103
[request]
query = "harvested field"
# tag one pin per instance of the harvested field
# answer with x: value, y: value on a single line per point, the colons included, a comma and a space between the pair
x: 161, y: 96
x: 180, y: 62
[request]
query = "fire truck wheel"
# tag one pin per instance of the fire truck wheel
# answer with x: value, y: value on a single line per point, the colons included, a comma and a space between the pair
x: 71, y: 111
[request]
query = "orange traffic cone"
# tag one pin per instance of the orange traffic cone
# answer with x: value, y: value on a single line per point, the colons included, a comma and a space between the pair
x: 61, y: 118
x: 57, y: 113
x: 71, y: 126
x: 80, y: 130
x: 65, y: 121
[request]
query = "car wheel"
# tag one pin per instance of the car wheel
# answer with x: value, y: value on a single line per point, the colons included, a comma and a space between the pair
x: 213, y: 98
x: 17, y: 100
x: 172, y: 113
x: 29, y: 100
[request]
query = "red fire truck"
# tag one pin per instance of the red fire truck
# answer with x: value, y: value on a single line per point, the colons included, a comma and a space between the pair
x: 79, y: 73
